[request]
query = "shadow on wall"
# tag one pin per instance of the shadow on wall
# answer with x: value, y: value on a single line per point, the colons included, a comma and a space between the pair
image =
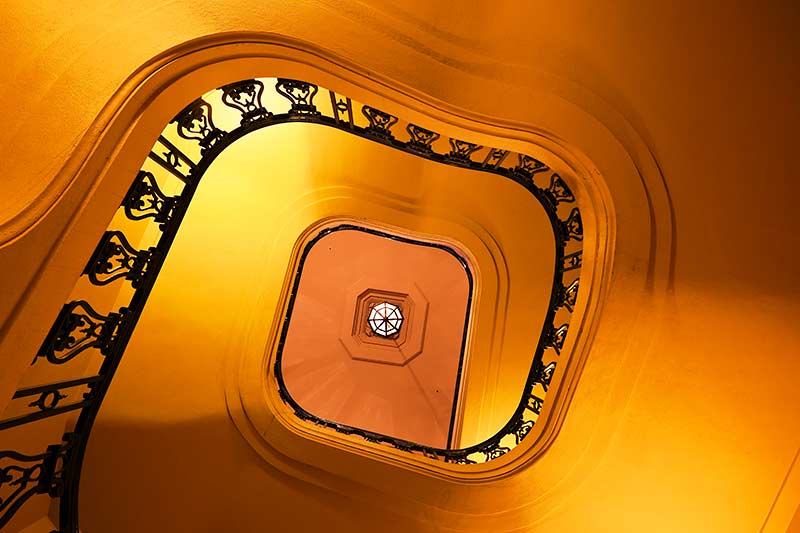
x: 201, y: 476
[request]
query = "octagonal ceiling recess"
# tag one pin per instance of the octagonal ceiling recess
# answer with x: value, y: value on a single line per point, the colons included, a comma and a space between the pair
x: 401, y: 380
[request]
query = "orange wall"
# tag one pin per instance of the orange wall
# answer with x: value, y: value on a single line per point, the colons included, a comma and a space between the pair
x: 687, y: 423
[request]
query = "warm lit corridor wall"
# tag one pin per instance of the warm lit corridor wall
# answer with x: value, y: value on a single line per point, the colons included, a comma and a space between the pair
x: 687, y: 421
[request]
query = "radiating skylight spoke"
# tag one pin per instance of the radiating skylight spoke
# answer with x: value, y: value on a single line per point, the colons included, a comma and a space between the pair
x: 385, y: 319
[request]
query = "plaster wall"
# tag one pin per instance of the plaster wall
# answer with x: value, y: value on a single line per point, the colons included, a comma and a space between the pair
x: 706, y: 435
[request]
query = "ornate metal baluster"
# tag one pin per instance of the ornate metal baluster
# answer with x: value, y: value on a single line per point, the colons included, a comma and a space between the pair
x: 28, y: 475
x: 460, y: 459
x: 342, y: 110
x: 77, y: 328
x: 558, y: 191
x: 555, y: 337
x: 300, y: 94
x: 572, y: 261
x: 146, y: 200
x: 546, y: 375
x: 195, y: 124
x: 534, y: 404
x: 522, y: 429
x: 494, y: 158
x: 380, y: 123
x: 171, y: 158
x: 528, y: 166
x: 115, y: 258
x: 461, y: 151
x: 245, y: 97
x: 573, y: 226
x: 493, y: 452
x: 421, y: 139
x: 569, y: 295
x: 48, y: 400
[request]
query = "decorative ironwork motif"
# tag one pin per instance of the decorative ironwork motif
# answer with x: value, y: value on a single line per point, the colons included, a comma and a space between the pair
x: 546, y: 375
x: 528, y: 166
x: 495, y: 158
x: 461, y: 151
x: 555, y: 337
x: 569, y: 295
x: 28, y: 475
x: 421, y: 139
x: 115, y: 258
x: 300, y: 94
x: 572, y: 261
x: 522, y: 430
x: 493, y: 452
x: 195, y: 124
x: 535, y: 404
x: 245, y: 97
x: 380, y: 123
x: 78, y: 328
x: 558, y: 190
x: 342, y: 110
x: 573, y: 226
x: 146, y: 200
x: 49, y: 399
x: 172, y: 159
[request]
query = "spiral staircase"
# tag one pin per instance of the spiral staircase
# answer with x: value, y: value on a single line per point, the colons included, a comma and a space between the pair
x: 576, y: 222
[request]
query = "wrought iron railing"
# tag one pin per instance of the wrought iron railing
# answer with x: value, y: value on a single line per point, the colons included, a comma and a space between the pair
x: 184, y: 151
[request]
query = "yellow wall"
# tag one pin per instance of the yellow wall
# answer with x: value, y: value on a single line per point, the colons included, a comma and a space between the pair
x: 686, y: 421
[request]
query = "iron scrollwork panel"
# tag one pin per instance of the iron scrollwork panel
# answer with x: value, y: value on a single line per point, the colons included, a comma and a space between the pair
x: 493, y: 452
x: 494, y: 159
x: 145, y: 199
x: 528, y: 166
x: 380, y: 123
x: 554, y: 337
x: 24, y: 476
x: 535, y: 404
x: 558, y: 191
x: 573, y: 226
x: 572, y: 261
x: 77, y: 328
x: 522, y: 430
x: 245, y: 97
x: 195, y: 123
x: 300, y: 94
x: 569, y: 295
x: 421, y: 139
x: 461, y: 152
x: 115, y: 258
x: 173, y: 159
x: 342, y: 108
x: 48, y: 400
x: 546, y: 375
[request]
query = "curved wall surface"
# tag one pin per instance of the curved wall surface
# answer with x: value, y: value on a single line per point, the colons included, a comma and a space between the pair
x: 681, y: 115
